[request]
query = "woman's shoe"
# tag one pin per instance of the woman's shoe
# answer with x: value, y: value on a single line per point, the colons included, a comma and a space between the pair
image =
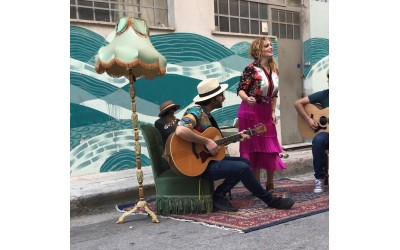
x: 270, y: 187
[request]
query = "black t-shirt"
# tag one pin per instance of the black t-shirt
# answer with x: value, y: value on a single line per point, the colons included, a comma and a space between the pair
x: 165, y: 127
x: 321, y: 97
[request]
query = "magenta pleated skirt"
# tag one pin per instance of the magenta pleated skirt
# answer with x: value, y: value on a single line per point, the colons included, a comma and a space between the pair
x: 261, y: 150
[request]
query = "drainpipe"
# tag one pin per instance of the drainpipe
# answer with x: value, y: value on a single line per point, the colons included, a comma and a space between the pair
x: 302, y: 22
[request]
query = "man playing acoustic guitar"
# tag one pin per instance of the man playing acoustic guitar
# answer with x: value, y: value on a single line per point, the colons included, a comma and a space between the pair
x: 232, y: 169
x: 320, y: 142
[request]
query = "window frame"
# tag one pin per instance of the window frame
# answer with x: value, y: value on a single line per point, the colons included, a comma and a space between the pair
x: 279, y: 22
x: 136, y: 12
x: 248, y: 19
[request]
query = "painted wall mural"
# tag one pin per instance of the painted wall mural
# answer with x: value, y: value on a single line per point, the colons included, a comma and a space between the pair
x: 316, y: 52
x: 101, y: 133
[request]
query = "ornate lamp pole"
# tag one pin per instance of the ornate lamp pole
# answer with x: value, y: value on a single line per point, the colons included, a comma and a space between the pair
x: 132, y: 55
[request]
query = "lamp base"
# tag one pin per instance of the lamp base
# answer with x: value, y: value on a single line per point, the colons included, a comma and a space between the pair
x: 142, y: 204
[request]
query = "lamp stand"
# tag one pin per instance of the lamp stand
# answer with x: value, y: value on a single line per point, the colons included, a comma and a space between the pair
x: 141, y: 203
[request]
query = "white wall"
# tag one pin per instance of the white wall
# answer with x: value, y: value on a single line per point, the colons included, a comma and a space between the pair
x: 319, y: 19
x: 194, y: 16
x: 318, y: 28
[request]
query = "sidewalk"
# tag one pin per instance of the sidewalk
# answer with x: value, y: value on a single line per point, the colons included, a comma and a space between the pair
x: 95, y: 193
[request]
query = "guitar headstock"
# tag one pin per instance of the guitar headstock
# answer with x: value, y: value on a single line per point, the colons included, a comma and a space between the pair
x: 258, y: 129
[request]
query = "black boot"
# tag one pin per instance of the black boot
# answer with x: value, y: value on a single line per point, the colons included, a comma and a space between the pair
x: 281, y: 203
x: 224, y: 204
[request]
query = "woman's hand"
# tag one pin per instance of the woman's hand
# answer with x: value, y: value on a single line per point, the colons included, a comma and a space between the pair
x: 274, y: 120
x: 251, y: 100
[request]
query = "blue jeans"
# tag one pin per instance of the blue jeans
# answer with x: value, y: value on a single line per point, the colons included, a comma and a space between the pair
x: 320, y: 143
x: 233, y: 170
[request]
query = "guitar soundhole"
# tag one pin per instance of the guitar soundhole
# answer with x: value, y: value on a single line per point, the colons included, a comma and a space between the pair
x: 323, y: 120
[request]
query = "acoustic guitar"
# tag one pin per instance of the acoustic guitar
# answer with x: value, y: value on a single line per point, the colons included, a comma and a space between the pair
x: 319, y: 115
x: 191, y: 159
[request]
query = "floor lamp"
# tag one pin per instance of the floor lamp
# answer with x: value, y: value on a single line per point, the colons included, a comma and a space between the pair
x: 131, y: 54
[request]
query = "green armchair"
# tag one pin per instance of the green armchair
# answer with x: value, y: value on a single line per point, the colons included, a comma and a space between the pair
x: 175, y: 194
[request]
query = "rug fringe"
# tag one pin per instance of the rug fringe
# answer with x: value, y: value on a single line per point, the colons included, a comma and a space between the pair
x: 183, y: 204
x: 190, y: 221
x: 205, y: 224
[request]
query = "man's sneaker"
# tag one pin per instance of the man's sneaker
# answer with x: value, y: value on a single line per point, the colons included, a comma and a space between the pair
x: 281, y: 203
x: 223, y: 204
x: 318, y: 186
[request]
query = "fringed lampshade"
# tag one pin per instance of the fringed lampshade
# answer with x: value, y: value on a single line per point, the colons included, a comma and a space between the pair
x: 132, y: 50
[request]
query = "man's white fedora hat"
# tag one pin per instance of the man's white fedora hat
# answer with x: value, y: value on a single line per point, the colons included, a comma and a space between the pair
x: 209, y: 88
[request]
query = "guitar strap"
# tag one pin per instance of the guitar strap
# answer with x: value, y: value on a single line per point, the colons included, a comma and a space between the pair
x: 214, y: 123
x: 212, y: 120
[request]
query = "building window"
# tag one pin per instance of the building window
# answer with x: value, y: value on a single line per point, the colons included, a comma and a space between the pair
x: 240, y: 16
x: 155, y: 12
x: 285, y: 24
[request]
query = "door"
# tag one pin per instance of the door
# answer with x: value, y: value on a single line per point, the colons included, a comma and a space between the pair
x: 290, y: 88
x: 286, y: 27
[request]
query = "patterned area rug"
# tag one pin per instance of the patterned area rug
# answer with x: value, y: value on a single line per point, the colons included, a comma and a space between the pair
x: 254, y: 214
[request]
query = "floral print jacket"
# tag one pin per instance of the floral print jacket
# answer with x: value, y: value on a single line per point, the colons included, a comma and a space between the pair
x: 253, y: 78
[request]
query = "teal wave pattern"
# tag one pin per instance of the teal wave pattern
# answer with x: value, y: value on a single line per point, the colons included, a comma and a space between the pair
x: 84, y: 44
x: 314, y: 50
x: 233, y: 84
x: 87, y: 69
x: 321, y: 65
x: 122, y: 160
x: 184, y: 47
x: 275, y: 46
x: 84, y: 116
x: 92, y: 129
x: 91, y: 85
x: 178, y: 88
x: 226, y: 115
x: 241, y: 49
x: 78, y: 95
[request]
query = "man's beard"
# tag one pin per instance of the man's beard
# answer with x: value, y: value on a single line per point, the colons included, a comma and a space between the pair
x: 218, y: 105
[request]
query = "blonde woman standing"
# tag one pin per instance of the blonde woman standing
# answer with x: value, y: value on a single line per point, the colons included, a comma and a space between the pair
x: 258, y: 89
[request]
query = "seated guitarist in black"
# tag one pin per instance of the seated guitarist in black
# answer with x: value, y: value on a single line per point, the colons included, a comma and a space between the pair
x: 320, y: 142
x: 167, y: 122
x: 232, y: 169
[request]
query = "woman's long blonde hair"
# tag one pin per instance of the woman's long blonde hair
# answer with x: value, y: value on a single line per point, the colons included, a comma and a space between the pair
x: 256, y: 50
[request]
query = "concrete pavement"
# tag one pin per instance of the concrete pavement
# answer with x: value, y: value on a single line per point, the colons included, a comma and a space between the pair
x: 91, y: 194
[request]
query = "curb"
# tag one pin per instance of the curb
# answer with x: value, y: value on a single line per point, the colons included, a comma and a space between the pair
x: 298, y: 163
x: 106, y: 201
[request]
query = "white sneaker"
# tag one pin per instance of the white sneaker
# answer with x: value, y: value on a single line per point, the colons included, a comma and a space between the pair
x: 318, y: 186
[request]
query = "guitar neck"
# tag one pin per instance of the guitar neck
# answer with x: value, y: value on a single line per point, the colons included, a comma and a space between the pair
x: 227, y: 140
